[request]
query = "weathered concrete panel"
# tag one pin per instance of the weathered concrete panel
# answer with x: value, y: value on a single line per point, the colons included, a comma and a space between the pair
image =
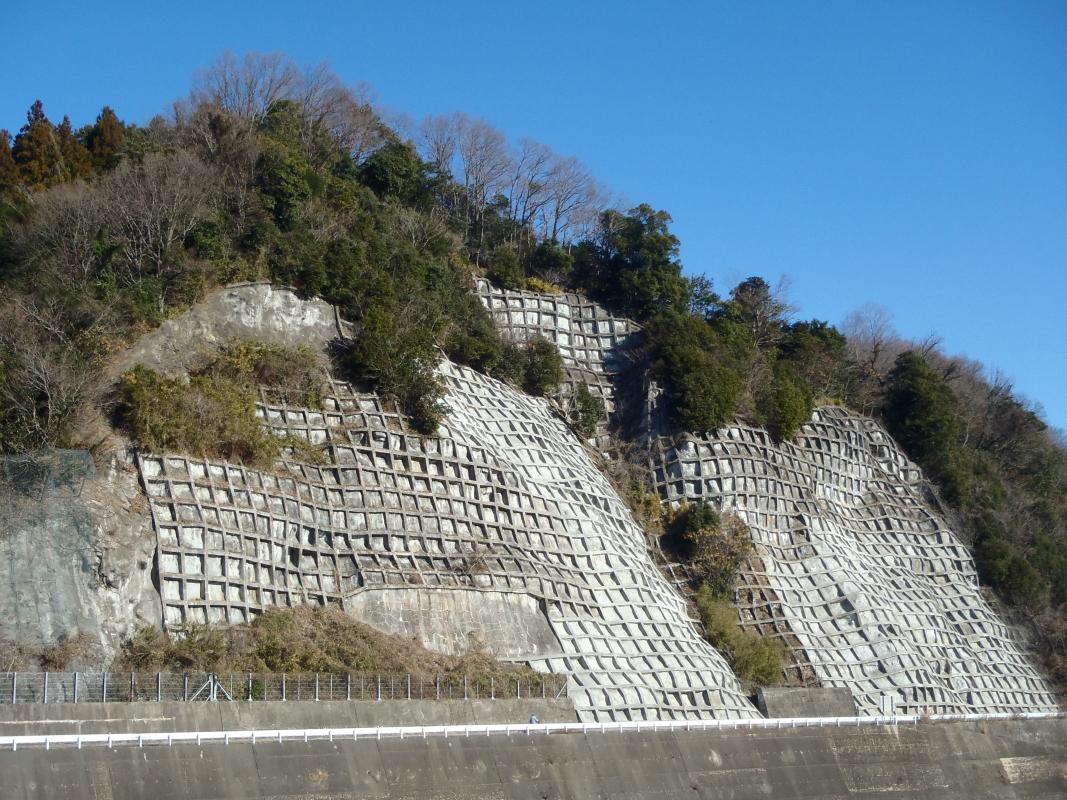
x: 510, y: 625
x: 786, y: 702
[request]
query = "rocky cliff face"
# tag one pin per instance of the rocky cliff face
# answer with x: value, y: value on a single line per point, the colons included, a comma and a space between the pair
x: 501, y: 532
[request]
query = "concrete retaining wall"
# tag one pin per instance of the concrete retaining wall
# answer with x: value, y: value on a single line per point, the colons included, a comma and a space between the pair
x: 18, y: 720
x: 951, y: 760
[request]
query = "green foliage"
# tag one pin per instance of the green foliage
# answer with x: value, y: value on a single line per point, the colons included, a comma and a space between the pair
x: 787, y: 404
x: 504, y: 269
x: 633, y: 264
x: 700, y: 369
x: 106, y: 140
x: 543, y: 368
x: 399, y: 359
x: 396, y: 171
x: 713, y: 545
x: 756, y: 660
x: 589, y: 410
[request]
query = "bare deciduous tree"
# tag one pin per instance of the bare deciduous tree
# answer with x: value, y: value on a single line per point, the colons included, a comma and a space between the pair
x: 248, y: 87
x: 64, y: 233
x: 153, y: 205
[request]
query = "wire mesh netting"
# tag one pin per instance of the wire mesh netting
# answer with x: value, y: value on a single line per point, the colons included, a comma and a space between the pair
x: 95, y: 687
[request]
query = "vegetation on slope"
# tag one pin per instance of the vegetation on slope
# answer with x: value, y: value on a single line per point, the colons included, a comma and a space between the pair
x: 303, y: 639
x: 714, y: 546
x: 270, y: 172
x: 213, y: 412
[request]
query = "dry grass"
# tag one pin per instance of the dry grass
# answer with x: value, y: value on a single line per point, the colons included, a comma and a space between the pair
x: 305, y: 639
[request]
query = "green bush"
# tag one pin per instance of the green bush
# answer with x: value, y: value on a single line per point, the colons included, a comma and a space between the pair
x: 543, y: 370
x: 588, y: 411
x: 786, y: 405
x: 755, y: 659
x: 714, y: 545
x: 504, y: 269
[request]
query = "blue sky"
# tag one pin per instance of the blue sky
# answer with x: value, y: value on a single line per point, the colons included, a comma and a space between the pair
x: 912, y: 154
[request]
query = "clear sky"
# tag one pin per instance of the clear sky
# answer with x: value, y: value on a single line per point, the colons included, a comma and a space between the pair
x: 908, y: 153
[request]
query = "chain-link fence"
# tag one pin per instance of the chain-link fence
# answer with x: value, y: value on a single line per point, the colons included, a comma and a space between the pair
x: 95, y: 687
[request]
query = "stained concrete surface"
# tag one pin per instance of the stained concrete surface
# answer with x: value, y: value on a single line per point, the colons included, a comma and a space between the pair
x: 950, y: 761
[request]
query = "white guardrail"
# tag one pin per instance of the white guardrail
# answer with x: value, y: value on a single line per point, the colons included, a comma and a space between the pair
x: 80, y: 740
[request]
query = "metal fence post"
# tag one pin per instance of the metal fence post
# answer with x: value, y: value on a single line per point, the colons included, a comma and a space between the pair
x: 492, y: 688
x: 283, y: 686
x: 348, y: 686
x: 249, y: 685
x: 14, y: 684
x: 133, y: 684
x: 75, y: 687
x: 437, y: 681
x: 103, y: 688
x: 185, y: 686
x: 379, y: 688
x: 316, y: 687
x: 464, y: 687
x: 542, y: 688
x: 44, y: 696
x: 159, y: 687
x: 409, y: 686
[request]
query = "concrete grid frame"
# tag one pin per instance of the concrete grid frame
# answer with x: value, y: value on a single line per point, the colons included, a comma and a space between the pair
x: 504, y: 499
x: 593, y: 343
x: 854, y: 563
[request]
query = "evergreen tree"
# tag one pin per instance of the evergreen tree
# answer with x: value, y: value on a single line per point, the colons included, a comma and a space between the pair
x: 77, y: 162
x: 37, y: 152
x: 106, y: 140
x: 9, y: 176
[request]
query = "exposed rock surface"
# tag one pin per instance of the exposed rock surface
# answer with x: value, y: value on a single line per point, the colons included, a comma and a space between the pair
x: 77, y: 558
x: 249, y: 311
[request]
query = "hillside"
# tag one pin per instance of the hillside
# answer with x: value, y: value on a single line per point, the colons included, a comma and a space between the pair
x: 438, y: 384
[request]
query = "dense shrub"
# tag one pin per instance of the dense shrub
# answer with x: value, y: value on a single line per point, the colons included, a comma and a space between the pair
x: 713, y: 545
x: 588, y: 411
x: 756, y: 660
x: 213, y: 413
x: 786, y: 404
x: 543, y: 367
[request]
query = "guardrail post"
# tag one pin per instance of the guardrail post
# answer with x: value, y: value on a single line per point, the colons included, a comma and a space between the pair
x: 159, y: 687
x: 44, y: 695
x: 75, y: 687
